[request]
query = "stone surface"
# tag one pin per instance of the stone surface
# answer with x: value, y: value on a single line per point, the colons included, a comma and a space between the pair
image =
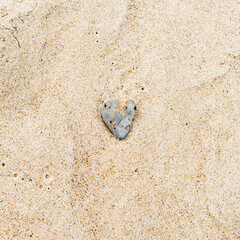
x: 177, y: 174
x: 118, y: 118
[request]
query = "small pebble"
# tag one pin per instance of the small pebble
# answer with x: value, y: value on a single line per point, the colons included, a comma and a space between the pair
x: 118, y: 118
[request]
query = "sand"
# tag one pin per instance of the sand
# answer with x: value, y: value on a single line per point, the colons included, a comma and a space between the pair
x: 63, y: 175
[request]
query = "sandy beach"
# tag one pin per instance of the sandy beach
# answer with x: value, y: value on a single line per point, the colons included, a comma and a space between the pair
x: 64, y: 175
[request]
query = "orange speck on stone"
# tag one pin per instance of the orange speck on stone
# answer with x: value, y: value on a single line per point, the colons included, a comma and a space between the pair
x: 119, y: 104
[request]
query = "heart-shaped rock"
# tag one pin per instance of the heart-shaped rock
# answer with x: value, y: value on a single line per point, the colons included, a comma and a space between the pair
x: 118, y: 118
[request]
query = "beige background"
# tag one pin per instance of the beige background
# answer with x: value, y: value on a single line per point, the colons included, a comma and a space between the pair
x: 63, y: 175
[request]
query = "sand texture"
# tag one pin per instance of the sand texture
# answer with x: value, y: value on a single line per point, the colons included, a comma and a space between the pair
x: 64, y: 175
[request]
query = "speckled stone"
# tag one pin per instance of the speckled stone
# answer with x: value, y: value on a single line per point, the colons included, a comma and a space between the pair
x: 118, y: 118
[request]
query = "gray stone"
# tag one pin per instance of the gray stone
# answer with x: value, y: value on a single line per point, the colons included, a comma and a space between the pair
x: 118, y: 118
